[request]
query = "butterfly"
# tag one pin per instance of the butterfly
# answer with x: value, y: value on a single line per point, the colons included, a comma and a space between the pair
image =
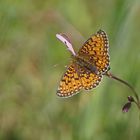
x: 87, y: 66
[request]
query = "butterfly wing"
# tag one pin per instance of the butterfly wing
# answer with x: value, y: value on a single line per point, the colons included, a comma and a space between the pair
x: 70, y: 83
x: 89, y: 79
x: 95, y: 51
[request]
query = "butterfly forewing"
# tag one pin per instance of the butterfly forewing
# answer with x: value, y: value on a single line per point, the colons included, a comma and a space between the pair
x: 95, y: 51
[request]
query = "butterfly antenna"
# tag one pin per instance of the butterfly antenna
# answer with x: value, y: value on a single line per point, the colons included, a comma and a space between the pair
x: 128, y: 85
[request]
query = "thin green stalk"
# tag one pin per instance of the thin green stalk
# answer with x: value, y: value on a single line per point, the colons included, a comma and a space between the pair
x: 127, y: 84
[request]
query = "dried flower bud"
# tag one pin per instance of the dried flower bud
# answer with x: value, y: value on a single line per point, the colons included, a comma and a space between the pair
x: 126, y: 107
x: 130, y: 99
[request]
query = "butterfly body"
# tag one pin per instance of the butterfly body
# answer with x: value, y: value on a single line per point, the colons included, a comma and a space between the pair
x: 84, y: 63
x: 87, y: 66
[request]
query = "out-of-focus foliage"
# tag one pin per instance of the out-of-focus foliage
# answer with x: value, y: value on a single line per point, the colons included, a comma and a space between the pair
x: 32, y: 61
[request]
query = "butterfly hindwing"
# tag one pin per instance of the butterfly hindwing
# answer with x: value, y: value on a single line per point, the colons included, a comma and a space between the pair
x: 89, y: 79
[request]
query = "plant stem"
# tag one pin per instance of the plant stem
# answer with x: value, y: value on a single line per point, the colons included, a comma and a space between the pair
x: 127, y: 84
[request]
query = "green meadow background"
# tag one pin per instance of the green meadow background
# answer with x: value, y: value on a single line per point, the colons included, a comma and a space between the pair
x: 32, y: 62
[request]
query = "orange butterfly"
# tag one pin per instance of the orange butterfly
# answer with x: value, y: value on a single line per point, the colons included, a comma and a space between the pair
x: 87, y: 66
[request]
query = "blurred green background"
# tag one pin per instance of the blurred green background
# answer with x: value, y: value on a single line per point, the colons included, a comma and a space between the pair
x: 32, y: 62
